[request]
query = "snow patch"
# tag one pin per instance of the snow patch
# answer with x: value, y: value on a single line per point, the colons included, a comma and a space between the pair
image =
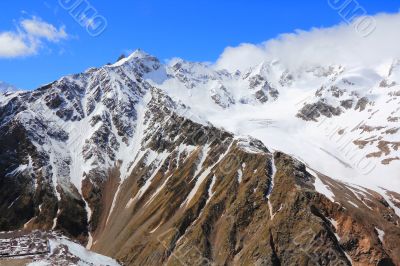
x: 381, y: 234
x: 320, y: 187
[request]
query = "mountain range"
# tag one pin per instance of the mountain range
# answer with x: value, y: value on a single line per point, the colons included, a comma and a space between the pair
x: 181, y: 163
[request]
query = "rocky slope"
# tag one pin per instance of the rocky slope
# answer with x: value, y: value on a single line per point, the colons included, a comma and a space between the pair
x: 39, y: 248
x: 179, y: 164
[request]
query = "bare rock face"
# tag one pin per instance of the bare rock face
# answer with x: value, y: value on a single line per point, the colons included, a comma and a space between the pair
x: 264, y: 90
x: 311, y: 112
x: 256, y: 81
x: 222, y: 97
x: 361, y: 104
x: 347, y: 104
x: 261, y: 96
x: 386, y: 84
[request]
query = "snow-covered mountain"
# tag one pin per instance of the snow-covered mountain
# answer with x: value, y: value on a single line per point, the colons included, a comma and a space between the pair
x: 233, y: 167
x: 5, y: 87
x: 341, y: 121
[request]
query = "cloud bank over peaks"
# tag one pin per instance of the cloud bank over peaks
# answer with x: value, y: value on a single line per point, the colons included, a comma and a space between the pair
x: 339, y: 44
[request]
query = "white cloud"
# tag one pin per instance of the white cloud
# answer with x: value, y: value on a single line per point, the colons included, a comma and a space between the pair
x: 242, y: 57
x: 29, y: 38
x: 40, y: 29
x: 13, y: 45
x: 340, y: 44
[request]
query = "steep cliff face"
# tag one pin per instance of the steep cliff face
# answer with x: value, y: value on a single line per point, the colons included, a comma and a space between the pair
x: 117, y: 159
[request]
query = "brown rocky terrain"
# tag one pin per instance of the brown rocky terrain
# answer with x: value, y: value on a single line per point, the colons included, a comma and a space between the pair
x: 241, y: 211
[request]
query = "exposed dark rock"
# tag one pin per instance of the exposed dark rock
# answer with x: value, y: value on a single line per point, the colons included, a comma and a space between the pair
x: 256, y: 81
x: 347, y: 104
x: 361, y: 104
x: 122, y: 56
x: 311, y: 112
x: 260, y: 95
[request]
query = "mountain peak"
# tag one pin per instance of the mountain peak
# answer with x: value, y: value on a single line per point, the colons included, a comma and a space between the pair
x: 138, y: 54
x: 5, y: 87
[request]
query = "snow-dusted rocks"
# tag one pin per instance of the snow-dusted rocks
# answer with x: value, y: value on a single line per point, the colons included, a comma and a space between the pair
x: 40, y: 248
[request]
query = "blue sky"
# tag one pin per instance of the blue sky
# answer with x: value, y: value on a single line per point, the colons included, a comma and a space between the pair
x: 193, y: 30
